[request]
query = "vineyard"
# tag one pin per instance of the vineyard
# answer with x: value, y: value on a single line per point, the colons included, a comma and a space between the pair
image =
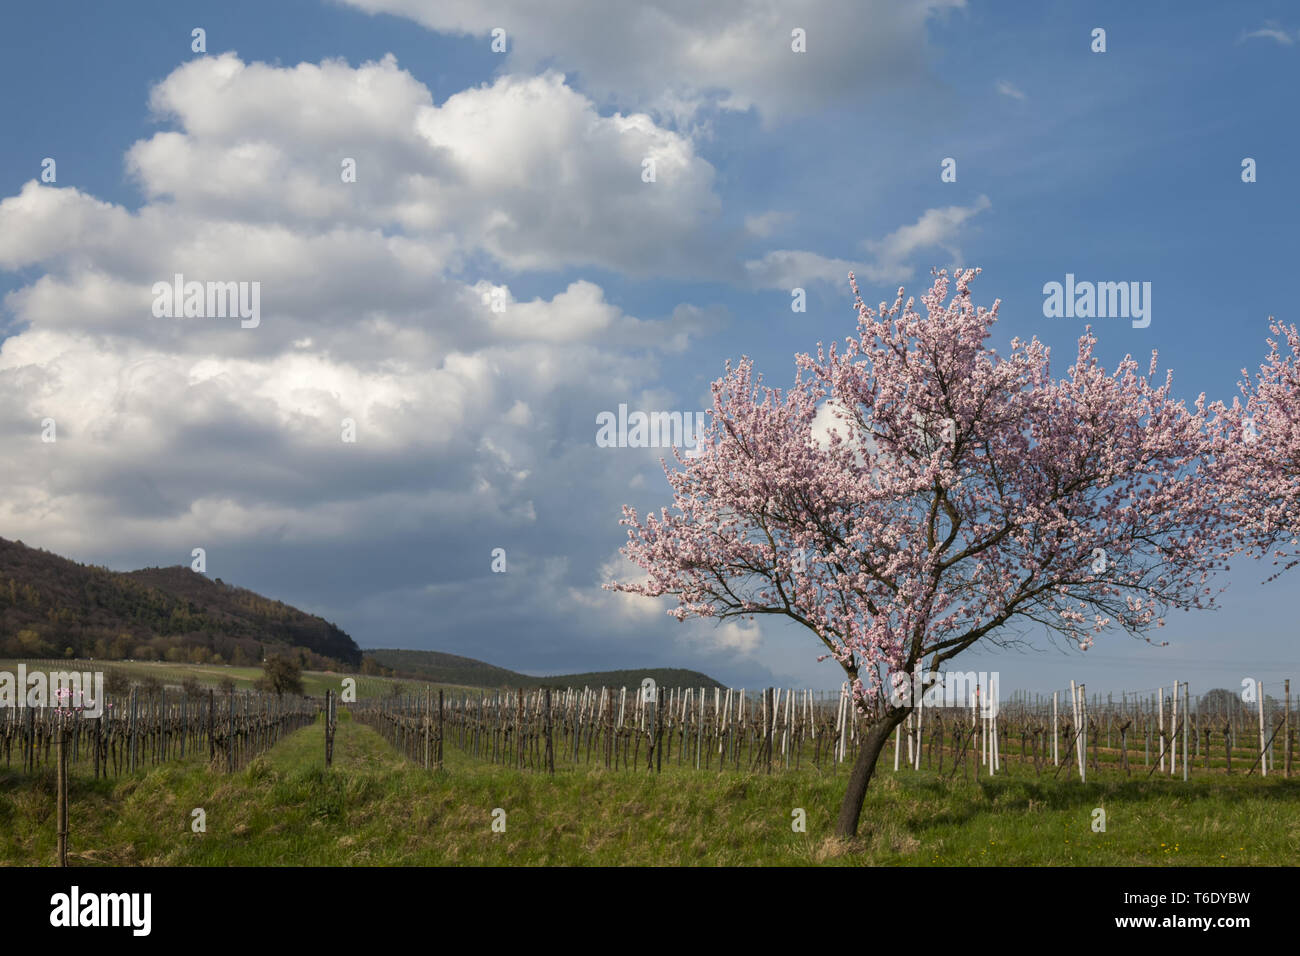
x: 143, y: 730
x: 436, y: 754
x: 1163, y: 730
x: 146, y: 721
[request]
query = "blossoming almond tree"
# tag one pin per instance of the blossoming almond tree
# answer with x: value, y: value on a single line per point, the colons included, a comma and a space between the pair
x: 961, y: 496
x: 1257, y: 451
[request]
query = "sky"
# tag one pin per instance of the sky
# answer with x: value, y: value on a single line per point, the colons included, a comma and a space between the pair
x: 500, y: 273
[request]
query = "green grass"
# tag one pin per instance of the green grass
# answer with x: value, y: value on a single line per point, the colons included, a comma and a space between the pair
x: 375, y: 808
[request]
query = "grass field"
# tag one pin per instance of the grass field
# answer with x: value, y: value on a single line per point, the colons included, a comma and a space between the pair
x: 375, y: 808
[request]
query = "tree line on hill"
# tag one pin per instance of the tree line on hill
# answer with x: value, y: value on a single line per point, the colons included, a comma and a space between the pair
x: 53, y: 607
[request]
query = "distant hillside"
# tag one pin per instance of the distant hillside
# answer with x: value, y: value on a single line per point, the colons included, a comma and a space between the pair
x: 450, y: 669
x: 49, y: 604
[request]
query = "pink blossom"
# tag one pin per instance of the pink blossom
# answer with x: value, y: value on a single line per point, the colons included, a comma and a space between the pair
x: 1256, y: 453
x: 962, y: 496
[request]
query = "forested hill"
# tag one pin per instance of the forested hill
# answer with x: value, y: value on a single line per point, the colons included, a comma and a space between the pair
x: 49, y: 604
x: 452, y: 669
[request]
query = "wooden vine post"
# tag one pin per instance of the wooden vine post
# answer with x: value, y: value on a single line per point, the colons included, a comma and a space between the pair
x: 61, y: 787
x: 230, y: 732
x: 550, y: 751
x: 1287, y: 718
x: 329, y: 728
x: 1259, y: 699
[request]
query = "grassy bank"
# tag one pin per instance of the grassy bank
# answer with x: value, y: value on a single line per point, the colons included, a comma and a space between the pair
x: 373, y: 808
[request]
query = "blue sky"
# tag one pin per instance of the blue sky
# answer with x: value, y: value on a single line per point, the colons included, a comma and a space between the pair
x: 480, y: 170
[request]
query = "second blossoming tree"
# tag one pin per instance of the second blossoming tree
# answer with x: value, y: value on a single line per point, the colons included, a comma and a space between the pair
x: 1257, y: 452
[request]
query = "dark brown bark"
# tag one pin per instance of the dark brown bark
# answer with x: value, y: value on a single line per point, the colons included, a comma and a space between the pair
x: 863, y: 767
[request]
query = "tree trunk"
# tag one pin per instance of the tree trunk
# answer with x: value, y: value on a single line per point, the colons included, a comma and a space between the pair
x: 868, y: 751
